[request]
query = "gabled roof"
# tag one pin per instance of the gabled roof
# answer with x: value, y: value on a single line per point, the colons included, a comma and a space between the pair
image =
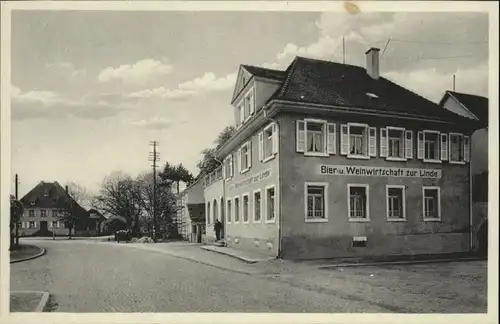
x: 276, y: 75
x: 329, y: 83
x: 49, y: 195
x: 477, y: 105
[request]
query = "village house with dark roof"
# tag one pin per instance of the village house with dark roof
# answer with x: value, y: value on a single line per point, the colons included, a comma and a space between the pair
x: 334, y: 160
x: 476, y: 108
x: 43, y: 206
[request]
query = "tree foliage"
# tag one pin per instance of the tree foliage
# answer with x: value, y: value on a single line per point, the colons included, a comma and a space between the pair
x: 176, y: 173
x: 209, y: 163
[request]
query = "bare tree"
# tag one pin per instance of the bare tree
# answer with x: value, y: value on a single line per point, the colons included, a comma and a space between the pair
x: 79, y: 193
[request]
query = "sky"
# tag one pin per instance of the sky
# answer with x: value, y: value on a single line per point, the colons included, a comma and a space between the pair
x: 91, y: 89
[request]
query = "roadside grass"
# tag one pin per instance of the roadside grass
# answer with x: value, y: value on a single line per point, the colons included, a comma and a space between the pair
x: 24, y: 251
x: 24, y: 301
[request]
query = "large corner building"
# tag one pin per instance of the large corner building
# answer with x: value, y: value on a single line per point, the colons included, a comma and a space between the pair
x: 333, y: 160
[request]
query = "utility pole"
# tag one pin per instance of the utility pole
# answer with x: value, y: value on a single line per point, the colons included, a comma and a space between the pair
x: 343, y: 50
x: 17, y: 199
x: 154, y: 157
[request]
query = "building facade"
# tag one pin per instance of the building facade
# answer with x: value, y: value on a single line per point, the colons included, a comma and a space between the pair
x: 43, y: 206
x: 332, y: 160
x: 191, y: 212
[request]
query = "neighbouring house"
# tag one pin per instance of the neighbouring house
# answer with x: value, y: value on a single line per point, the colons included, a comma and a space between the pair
x: 43, y: 206
x: 476, y: 108
x: 190, y: 216
x: 334, y: 160
x: 96, y: 222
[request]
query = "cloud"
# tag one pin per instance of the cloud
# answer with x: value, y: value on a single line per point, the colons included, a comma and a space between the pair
x: 49, y: 104
x: 156, y: 123
x: 137, y: 73
x: 206, y: 83
x: 67, y: 68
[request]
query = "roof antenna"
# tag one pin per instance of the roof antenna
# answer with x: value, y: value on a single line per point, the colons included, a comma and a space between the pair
x: 453, y: 82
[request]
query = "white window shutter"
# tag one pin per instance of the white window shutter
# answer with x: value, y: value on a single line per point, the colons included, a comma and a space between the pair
x: 331, y: 138
x: 249, y: 150
x: 444, y: 147
x: 420, y: 145
x: 275, y: 138
x: 383, y: 142
x: 50, y: 225
x: 466, y: 149
x: 239, y: 160
x: 232, y: 165
x: 300, y: 136
x: 22, y: 225
x: 344, y: 140
x: 261, y: 146
x: 36, y: 224
x: 409, y: 144
x: 372, y: 141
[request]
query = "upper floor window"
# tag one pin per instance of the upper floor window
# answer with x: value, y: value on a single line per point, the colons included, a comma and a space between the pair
x: 54, y: 213
x: 268, y: 143
x: 43, y: 213
x: 245, y: 154
x: 315, y: 137
x: 395, y: 141
x: 229, y: 167
x: 431, y: 145
x: 456, y: 147
x: 31, y: 213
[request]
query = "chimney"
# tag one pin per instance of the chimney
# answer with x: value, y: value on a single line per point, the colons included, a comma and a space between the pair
x: 67, y: 191
x: 372, y: 62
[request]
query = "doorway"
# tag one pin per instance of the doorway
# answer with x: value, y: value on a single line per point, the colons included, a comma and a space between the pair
x: 43, y: 226
x: 222, y: 217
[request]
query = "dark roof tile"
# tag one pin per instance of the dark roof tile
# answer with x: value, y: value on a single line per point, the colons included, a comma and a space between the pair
x: 475, y: 104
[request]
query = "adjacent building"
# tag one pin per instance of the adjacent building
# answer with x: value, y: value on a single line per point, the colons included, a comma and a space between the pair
x: 475, y: 108
x: 333, y: 160
x: 191, y: 211
x: 43, y: 206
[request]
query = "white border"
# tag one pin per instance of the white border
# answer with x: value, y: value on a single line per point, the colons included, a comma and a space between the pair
x: 389, y: 219
x: 325, y: 137
x: 325, y: 201
x: 439, y: 145
x: 367, y: 191
x: 392, y: 158
x: 438, y: 219
x: 356, y: 156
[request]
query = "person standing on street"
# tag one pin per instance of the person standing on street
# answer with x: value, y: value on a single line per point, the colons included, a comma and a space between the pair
x: 218, y: 229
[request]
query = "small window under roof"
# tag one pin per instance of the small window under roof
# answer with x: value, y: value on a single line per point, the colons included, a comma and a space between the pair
x: 372, y: 95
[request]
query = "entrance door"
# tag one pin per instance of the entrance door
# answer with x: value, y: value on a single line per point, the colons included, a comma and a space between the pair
x: 43, y: 226
x: 222, y: 217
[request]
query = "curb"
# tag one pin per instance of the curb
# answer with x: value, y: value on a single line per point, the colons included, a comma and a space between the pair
x: 230, y: 255
x: 42, y: 252
x: 409, y: 262
x: 43, y: 301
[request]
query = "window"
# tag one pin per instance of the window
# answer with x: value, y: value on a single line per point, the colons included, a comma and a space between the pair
x: 257, y: 206
x: 236, y: 209
x: 396, y: 202
x: 431, y: 146
x: 316, y: 201
x: 395, y: 142
x: 229, y: 167
x: 431, y: 203
x: 216, y: 211
x: 245, y: 157
x: 358, y: 140
x: 54, y: 213
x: 456, y: 147
x: 43, y: 213
x: 31, y: 213
x: 241, y: 110
x: 208, y: 213
x: 315, y: 137
x: 229, y: 211
x: 46, y: 194
x: 270, y: 204
x: 268, y: 143
x: 358, y: 202
x: 55, y: 224
x: 32, y: 224
x: 246, y: 208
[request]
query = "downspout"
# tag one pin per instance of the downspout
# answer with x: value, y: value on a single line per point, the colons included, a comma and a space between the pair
x: 278, y: 185
x: 471, y: 230
x: 223, y: 195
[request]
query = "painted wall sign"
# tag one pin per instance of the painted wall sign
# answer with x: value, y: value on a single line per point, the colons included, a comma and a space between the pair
x: 250, y: 180
x: 366, y: 171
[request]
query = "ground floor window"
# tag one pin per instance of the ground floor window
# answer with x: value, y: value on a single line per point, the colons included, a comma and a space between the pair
x: 246, y: 206
x: 270, y: 204
x: 32, y: 224
x: 316, y: 201
x: 396, y: 203
x: 55, y: 224
x: 431, y: 203
x: 358, y: 202
x: 257, y: 205
x: 236, y: 209
x: 229, y: 211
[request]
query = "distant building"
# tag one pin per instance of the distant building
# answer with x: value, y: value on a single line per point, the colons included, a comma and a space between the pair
x: 333, y: 160
x: 190, y: 216
x: 475, y: 108
x: 96, y: 222
x: 42, y: 208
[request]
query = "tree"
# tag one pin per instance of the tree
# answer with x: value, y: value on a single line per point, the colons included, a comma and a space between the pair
x: 79, y: 194
x: 176, y: 174
x: 119, y: 196
x: 209, y: 162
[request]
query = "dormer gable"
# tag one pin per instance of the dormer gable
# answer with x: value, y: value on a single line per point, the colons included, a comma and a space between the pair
x: 241, y: 81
